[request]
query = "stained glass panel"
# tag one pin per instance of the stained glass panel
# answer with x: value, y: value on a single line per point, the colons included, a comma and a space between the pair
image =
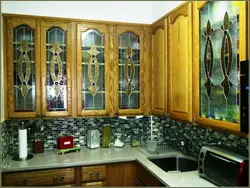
x: 219, y: 60
x: 56, y: 69
x: 24, y: 69
x: 93, y: 70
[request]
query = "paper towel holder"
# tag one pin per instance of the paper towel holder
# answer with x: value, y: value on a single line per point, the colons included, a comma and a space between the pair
x: 16, y: 157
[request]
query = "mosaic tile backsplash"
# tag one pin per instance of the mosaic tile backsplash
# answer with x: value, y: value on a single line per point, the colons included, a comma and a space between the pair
x: 164, y: 131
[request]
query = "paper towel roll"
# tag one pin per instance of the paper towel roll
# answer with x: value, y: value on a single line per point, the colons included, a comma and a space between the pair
x: 22, y: 140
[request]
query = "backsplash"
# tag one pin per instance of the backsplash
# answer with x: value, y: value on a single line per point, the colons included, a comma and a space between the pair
x: 164, y: 131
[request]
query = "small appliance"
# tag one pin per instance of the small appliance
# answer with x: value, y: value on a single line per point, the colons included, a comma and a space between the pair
x: 244, y: 96
x: 65, y: 142
x: 222, y: 166
x: 93, y: 139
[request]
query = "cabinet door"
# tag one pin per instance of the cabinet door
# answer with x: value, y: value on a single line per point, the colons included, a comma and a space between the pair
x: 56, y: 50
x: 220, y: 35
x: 128, y: 70
x: 159, y: 84
x: 180, y: 63
x: 93, y: 68
x: 23, y: 67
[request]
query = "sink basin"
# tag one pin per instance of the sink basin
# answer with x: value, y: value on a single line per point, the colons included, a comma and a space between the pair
x: 176, y: 164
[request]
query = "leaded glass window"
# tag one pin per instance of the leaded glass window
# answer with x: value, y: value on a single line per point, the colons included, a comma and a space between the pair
x: 24, y: 69
x: 129, y: 71
x: 219, y: 61
x: 56, y: 69
x: 93, y: 70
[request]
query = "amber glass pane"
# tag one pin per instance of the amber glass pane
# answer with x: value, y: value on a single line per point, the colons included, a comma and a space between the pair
x: 219, y: 60
x: 129, y: 71
x: 93, y: 70
x: 24, y: 69
x: 56, y: 69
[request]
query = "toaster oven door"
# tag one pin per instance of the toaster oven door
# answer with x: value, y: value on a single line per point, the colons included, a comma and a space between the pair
x: 219, y: 170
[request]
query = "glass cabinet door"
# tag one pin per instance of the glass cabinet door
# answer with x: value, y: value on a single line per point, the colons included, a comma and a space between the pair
x: 221, y: 47
x: 56, y: 71
x: 92, y: 69
x: 23, y: 68
x: 129, y: 72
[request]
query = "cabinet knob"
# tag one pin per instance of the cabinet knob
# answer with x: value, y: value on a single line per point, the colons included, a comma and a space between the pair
x: 62, y: 177
x: 55, y: 178
x: 94, y: 175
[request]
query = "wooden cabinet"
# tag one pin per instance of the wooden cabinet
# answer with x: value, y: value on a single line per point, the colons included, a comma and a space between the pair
x: 220, y: 43
x: 40, y: 178
x: 128, y: 63
x: 56, y: 60
x: 93, y: 70
x: 145, y: 178
x: 94, y: 176
x: 121, y: 174
x: 23, y: 67
x: 159, y: 68
x: 180, y: 63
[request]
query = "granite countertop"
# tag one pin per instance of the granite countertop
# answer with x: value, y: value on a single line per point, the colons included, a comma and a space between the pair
x: 49, y: 159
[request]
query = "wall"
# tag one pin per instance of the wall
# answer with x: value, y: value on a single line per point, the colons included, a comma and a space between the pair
x: 1, y: 76
x: 122, y: 11
x: 160, y: 8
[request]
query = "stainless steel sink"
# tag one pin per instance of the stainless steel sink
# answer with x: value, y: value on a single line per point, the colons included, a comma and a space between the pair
x: 176, y: 164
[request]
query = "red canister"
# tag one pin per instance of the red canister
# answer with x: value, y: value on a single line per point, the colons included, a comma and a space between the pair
x: 65, y: 142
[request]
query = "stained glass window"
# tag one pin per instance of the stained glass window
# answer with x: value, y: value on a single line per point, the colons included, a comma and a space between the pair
x: 129, y: 71
x: 219, y: 61
x: 93, y: 74
x: 56, y: 69
x: 24, y: 69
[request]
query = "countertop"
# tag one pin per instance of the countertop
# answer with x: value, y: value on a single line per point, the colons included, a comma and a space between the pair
x: 50, y: 159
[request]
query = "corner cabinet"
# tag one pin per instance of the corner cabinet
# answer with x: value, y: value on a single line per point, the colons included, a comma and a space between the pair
x: 56, y: 58
x: 23, y: 67
x: 180, y: 63
x: 159, y: 70
x: 93, y: 70
x: 220, y: 43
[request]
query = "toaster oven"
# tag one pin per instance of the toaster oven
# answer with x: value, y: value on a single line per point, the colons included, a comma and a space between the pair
x: 222, y: 166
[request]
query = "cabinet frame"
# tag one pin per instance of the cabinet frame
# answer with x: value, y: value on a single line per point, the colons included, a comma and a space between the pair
x: 108, y: 89
x: 67, y: 27
x: 221, y: 125
x: 33, y: 24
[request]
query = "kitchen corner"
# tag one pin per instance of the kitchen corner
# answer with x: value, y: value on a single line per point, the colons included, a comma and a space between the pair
x: 86, y: 157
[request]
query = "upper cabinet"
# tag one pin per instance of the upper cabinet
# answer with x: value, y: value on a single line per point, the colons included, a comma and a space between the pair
x: 128, y: 70
x: 56, y: 60
x: 93, y: 66
x: 220, y: 43
x: 180, y: 63
x: 159, y: 68
x: 23, y: 67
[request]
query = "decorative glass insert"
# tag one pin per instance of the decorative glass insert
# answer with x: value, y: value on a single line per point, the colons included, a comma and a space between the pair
x: 24, y: 69
x: 56, y: 69
x: 93, y: 70
x: 129, y: 71
x: 219, y: 61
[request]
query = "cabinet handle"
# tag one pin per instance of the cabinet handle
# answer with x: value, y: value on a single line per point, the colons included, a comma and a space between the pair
x: 18, y: 182
x: 62, y: 177
x: 25, y: 180
x: 94, y: 175
x: 55, y: 178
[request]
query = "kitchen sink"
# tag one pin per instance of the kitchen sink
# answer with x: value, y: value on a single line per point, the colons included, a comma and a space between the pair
x: 176, y: 164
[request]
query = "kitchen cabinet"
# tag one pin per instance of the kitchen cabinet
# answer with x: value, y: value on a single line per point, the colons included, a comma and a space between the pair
x: 51, y: 177
x: 145, y: 178
x: 94, y: 176
x: 121, y: 174
x: 93, y: 66
x: 129, y: 64
x: 180, y: 63
x: 23, y: 67
x: 220, y: 43
x: 159, y: 68
x: 56, y: 60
